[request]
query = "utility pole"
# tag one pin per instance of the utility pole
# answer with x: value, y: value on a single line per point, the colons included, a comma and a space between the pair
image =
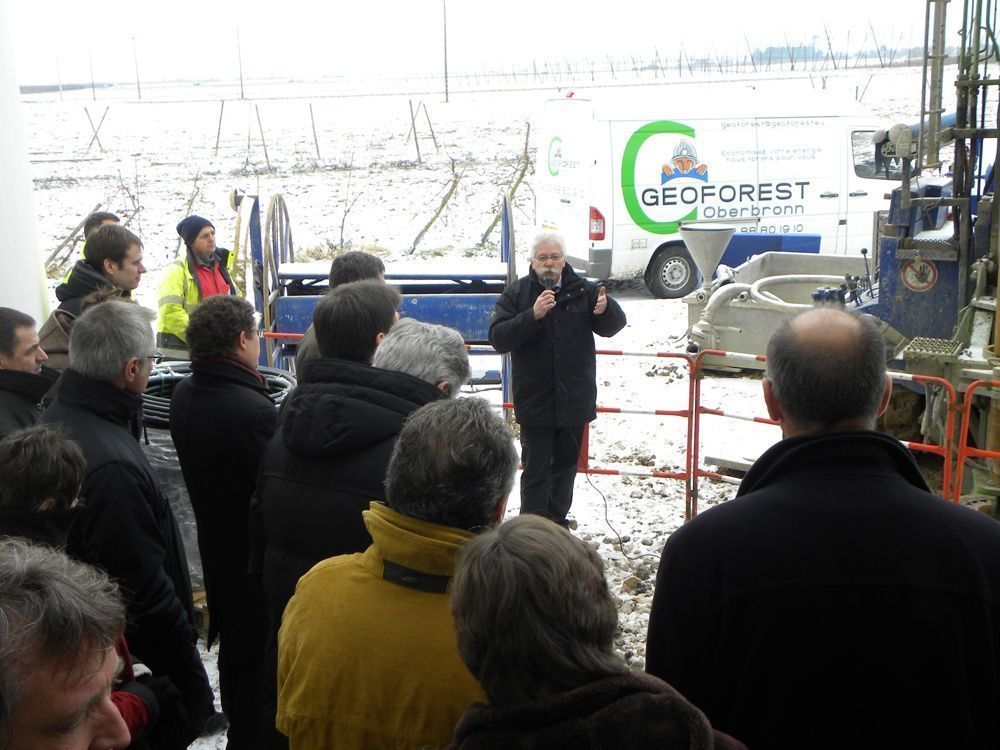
x: 444, y: 16
x: 135, y: 59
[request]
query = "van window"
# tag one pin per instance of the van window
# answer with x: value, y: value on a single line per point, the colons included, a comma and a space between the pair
x: 865, y: 164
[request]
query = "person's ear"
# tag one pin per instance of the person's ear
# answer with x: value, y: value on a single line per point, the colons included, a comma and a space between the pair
x: 378, y: 339
x: 109, y: 267
x: 444, y: 386
x: 773, y: 407
x: 499, y: 512
x: 243, y: 341
x: 886, y: 395
x: 132, y: 369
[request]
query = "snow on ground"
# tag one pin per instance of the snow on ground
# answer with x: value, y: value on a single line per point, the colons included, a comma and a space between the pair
x: 159, y: 156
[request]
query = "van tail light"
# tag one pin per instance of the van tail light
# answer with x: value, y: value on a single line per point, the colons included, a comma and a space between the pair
x: 596, y: 224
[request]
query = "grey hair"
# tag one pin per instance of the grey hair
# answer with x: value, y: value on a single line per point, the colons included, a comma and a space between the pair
x: 819, y: 387
x: 53, y: 611
x: 107, y: 336
x: 430, y: 352
x: 533, y: 613
x: 453, y: 462
x: 544, y: 237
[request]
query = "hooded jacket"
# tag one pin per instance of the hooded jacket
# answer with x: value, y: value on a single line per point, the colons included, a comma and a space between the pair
x: 21, y: 397
x: 632, y: 710
x: 82, y: 280
x: 128, y: 528
x: 834, y: 603
x: 321, y: 470
x: 553, y: 359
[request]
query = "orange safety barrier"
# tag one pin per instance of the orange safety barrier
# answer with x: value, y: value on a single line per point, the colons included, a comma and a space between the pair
x: 945, y: 451
x: 583, y: 465
x: 964, y: 449
x: 694, y: 411
x: 694, y: 447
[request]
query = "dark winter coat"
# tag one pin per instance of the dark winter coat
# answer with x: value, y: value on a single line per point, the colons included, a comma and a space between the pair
x: 127, y: 527
x: 553, y: 360
x: 325, y: 465
x: 21, y: 397
x: 82, y: 280
x: 631, y: 710
x: 835, y: 603
x: 42, y: 526
x: 221, y: 420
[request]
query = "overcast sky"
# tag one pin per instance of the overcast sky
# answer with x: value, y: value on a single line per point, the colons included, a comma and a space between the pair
x: 294, y: 38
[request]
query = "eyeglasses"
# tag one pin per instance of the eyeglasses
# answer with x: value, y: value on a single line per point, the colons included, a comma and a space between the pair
x: 157, y: 357
x: 547, y: 258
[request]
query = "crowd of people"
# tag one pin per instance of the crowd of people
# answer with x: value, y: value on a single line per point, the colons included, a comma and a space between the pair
x: 363, y: 586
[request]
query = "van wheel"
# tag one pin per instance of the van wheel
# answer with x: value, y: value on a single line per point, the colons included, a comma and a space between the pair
x: 671, y: 273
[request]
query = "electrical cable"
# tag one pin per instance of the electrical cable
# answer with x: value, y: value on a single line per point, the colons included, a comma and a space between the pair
x: 604, y: 499
x: 164, y: 377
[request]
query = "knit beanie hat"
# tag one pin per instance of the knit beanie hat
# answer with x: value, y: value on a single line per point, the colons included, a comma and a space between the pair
x: 189, y: 228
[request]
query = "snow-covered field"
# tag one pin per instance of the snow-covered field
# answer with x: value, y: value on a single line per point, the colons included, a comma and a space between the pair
x: 159, y: 156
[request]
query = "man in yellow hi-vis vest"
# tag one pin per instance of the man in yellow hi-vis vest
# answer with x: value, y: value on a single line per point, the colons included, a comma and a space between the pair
x: 201, y: 272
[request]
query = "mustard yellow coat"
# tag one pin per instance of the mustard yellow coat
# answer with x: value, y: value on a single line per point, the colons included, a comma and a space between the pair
x: 366, y: 662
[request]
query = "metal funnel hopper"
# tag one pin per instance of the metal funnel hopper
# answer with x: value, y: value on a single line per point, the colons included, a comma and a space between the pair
x: 706, y: 243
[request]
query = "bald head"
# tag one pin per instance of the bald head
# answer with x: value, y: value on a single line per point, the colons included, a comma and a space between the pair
x: 826, y: 371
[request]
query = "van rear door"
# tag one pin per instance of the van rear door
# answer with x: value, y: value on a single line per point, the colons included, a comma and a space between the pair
x: 565, y: 156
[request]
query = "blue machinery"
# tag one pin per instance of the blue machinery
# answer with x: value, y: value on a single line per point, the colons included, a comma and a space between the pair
x: 933, y: 279
x: 459, y: 295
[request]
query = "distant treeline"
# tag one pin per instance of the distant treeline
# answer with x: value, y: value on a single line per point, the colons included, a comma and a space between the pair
x: 47, y: 88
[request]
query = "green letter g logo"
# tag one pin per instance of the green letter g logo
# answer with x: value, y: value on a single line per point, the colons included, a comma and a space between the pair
x: 554, y: 150
x: 635, y: 142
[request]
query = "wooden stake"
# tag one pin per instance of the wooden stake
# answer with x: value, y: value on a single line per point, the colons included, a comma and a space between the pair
x: 416, y: 138
x: 218, y: 132
x: 525, y: 163
x: 433, y: 137
x: 315, y: 139
x: 95, y: 138
x: 262, y: 140
x: 71, y: 237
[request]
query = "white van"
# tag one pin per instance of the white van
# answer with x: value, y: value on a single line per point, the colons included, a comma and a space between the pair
x: 617, y: 178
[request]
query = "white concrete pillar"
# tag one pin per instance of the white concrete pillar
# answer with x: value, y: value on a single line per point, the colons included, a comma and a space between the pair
x: 22, y: 276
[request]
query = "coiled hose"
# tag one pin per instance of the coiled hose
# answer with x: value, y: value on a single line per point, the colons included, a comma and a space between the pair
x: 156, y: 399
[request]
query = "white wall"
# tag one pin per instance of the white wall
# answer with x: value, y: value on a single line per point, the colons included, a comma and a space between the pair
x: 22, y: 279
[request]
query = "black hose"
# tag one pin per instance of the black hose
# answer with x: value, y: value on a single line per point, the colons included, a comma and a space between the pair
x: 156, y: 399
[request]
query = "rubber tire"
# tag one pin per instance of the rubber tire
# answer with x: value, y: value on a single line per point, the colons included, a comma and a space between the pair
x: 671, y: 273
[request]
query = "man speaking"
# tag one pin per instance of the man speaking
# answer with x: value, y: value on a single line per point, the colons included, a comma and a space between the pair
x: 547, y: 321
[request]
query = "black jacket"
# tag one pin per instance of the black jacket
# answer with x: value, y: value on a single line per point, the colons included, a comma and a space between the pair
x: 21, y: 397
x: 42, y: 526
x: 127, y: 527
x: 82, y: 281
x: 553, y: 360
x: 325, y: 465
x: 835, y: 603
x: 221, y: 420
